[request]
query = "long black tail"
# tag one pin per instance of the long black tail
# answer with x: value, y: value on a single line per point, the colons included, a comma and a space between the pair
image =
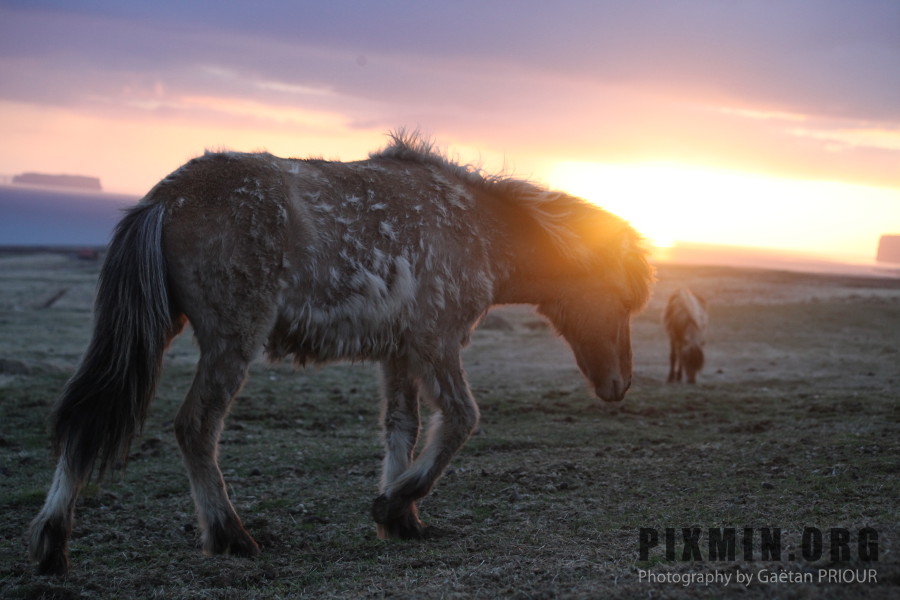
x: 105, y: 403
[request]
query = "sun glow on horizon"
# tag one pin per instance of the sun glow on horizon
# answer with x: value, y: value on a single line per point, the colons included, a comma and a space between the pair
x: 670, y: 203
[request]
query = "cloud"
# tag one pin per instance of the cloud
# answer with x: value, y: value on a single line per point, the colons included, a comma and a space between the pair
x: 773, y: 83
x: 823, y: 57
x: 854, y: 138
x: 762, y: 115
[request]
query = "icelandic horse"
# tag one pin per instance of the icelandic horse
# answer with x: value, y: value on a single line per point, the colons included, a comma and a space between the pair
x: 685, y: 319
x: 393, y: 259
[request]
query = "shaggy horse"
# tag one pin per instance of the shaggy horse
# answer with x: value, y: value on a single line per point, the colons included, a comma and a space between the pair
x: 685, y: 320
x: 393, y: 259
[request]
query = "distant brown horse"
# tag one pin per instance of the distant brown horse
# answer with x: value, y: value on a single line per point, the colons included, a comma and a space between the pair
x: 394, y: 259
x: 685, y: 320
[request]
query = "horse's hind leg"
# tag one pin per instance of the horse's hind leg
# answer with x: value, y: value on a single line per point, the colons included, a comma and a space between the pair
x: 225, y: 261
x: 220, y: 375
x: 53, y: 526
x: 453, y: 421
x: 400, y: 419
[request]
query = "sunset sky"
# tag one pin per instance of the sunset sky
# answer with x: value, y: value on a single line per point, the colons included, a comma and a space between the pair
x: 760, y: 123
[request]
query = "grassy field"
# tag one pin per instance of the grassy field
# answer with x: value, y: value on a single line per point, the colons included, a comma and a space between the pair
x: 793, y: 426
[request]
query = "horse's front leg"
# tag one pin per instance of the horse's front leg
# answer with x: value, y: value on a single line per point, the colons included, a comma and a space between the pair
x: 454, y: 420
x: 400, y: 422
x: 673, y: 359
x: 679, y: 361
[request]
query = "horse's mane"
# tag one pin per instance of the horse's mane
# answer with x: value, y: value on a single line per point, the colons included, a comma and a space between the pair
x: 582, y: 232
x: 685, y: 307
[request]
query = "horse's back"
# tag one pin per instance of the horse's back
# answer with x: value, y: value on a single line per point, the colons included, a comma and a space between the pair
x: 394, y: 255
x: 685, y: 309
x: 343, y: 260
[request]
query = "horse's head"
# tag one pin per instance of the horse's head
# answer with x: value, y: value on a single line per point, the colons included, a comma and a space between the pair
x: 597, y: 325
x: 592, y: 272
x: 692, y: 353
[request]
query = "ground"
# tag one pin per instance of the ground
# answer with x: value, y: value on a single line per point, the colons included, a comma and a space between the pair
x: 792, y: 428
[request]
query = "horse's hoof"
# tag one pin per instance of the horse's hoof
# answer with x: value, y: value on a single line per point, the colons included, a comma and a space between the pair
x: 234, y: 541
x: 381, y: 509
x: 55, y: 564
x: 49, y: 547
x: 244, y: 548
x: 402, y: 530
x: 397, y: 520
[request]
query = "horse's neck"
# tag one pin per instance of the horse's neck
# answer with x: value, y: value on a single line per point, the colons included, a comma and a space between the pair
x: 528, y: 273
x: 527, y: 261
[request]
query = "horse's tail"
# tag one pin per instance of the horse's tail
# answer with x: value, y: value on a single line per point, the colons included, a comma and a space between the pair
x: 106, y: 401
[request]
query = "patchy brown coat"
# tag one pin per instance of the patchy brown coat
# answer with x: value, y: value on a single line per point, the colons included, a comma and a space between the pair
x: 393, y: 259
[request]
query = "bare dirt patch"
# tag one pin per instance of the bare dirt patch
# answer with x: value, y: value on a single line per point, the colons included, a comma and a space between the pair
x: 793, y: 426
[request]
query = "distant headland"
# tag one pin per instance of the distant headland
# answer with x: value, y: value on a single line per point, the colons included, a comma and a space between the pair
x: 79, y: 182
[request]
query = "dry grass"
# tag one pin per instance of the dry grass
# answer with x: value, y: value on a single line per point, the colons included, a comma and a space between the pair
x: 794, y: 424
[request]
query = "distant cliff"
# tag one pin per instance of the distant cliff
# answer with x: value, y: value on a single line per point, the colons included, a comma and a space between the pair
x: 889, y: 249
x: 81, y: 182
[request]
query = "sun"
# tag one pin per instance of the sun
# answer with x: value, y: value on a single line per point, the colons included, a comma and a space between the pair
x: 666, y: 203
x: 670, y: 203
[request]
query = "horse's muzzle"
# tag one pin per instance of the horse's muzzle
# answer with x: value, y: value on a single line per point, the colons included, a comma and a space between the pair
x: 613, y: 390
